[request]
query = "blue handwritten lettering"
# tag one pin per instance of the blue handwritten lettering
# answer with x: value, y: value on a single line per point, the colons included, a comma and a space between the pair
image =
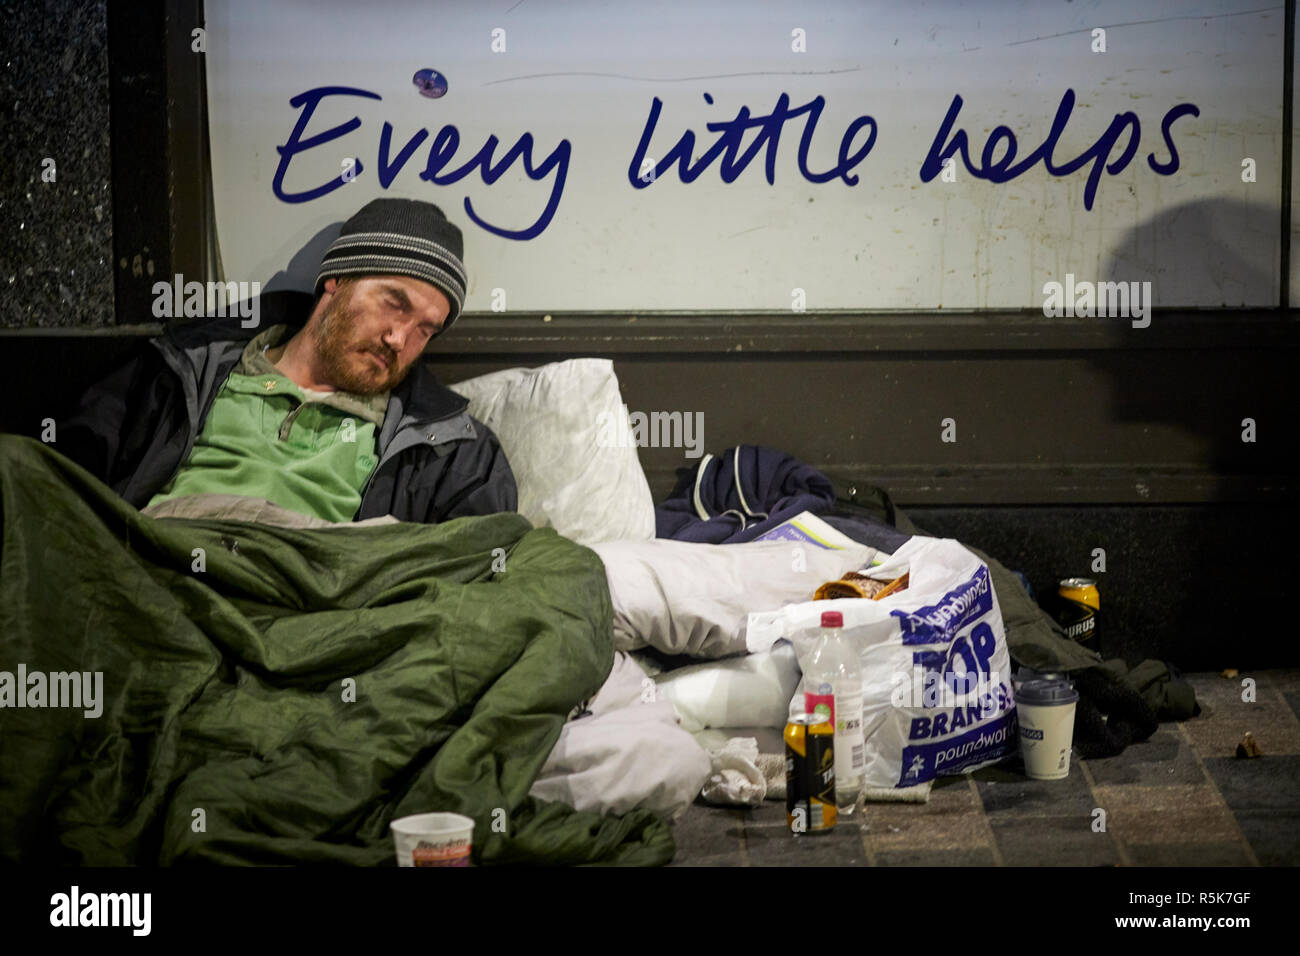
x: 388, y: 172
x: 997, y: 160
x: 559, y: 157
x: 1171, y: 167
x: 296, y: 144
x: 441, y: 151
x: 728, y: 145
x: 947, y: 143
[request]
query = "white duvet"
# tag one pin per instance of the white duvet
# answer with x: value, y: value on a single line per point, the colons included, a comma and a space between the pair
x: 628, y: 752
x: 683, y: 598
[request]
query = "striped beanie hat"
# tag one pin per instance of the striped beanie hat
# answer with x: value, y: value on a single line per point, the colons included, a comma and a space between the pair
x: 400, y: 237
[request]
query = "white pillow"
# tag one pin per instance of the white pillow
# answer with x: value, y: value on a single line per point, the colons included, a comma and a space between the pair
x: 570, y: 446
x: 686, y: 597
x: 749, y: 691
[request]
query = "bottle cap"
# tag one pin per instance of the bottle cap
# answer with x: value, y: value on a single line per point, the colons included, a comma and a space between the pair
x: 832, y: 619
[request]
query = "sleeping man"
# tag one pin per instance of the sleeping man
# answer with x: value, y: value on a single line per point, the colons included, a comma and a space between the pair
x: 381, y: 671
x: 308, y: 419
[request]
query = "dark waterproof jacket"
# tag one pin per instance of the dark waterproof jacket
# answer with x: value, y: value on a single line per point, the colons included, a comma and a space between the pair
x: 136, y: 427
x: 741, y: 494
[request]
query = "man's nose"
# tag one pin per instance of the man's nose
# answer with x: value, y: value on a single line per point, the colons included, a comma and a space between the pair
x: 395, y: 338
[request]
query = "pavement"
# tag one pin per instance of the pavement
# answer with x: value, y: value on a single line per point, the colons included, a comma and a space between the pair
x: 1181, y: 798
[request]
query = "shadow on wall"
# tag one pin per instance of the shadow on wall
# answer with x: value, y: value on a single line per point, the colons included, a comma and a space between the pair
x: 300, y: 274
x: 1220, y: 253
x: 1209, y: 255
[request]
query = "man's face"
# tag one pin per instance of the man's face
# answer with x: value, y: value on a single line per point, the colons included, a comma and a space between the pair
x: 372, y: 330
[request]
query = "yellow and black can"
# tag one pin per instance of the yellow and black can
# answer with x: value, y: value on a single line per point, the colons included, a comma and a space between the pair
x: 1078, y: 605
x: 810, y: 774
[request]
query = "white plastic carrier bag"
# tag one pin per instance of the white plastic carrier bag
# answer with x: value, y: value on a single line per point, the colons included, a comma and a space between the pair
x: 936, y: 674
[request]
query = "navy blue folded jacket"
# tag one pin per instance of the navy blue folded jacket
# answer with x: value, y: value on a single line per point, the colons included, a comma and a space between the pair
x: 739, y: 495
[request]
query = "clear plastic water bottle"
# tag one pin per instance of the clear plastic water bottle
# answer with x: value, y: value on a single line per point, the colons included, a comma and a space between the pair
x: 832, y: 686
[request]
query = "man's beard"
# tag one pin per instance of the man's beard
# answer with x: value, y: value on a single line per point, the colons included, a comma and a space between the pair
x: 337, y: 348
